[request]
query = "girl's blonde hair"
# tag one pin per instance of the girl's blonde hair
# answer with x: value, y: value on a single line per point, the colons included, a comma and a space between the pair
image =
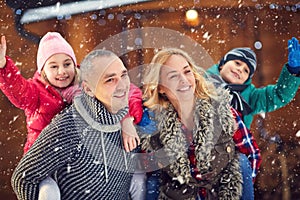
x: 153, y: 99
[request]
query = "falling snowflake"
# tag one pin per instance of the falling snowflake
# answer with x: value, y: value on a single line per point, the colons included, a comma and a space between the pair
x: 298, y: 134
x: 206, y: 36
x: 14, y: 119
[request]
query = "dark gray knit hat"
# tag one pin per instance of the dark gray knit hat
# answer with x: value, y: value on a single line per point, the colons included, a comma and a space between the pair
x: 244, y: 54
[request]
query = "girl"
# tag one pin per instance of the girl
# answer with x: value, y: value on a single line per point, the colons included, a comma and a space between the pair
x: 51, y: 89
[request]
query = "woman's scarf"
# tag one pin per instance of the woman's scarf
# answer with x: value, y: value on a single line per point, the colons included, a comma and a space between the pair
x: 174, y: 140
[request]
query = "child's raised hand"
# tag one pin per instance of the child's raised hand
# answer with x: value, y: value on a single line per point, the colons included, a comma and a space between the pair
x: 294, y: 56
x: 130, y: 137
x: 2, y: 52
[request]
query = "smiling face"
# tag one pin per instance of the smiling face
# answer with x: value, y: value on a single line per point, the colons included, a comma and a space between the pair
x: 235, y: 72
x: 177, y: 80
x: 59, y: 70
x: 113, y: 86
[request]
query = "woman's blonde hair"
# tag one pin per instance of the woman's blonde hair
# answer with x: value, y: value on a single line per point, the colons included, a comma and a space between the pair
x: 153, y: 99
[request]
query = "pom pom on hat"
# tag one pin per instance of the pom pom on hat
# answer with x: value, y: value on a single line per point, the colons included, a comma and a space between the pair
x: 50, y: 44
x: 244, y: 54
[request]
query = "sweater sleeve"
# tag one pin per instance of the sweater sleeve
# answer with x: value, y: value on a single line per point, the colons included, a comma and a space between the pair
x: 246, y: 144
x: 273, y: 97
x: 135, y: 103
x: 54, y: 148
x: 21, y: 92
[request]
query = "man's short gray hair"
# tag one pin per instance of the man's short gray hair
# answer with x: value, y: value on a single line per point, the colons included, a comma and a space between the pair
x: 94, y: 65
x: 88, y: 67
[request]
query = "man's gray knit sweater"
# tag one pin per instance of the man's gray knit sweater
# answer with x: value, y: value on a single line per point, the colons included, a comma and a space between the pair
x: 82, y: 150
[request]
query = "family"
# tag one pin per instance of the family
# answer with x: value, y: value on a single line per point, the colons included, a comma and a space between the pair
x: 88, y: 125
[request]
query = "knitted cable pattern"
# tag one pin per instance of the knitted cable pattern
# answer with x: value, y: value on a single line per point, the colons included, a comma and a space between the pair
x: 86, y: 162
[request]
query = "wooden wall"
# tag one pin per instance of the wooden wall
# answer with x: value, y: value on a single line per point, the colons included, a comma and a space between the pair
x: 223, y: 25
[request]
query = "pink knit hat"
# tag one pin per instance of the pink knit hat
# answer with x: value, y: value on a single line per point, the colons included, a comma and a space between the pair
x: 52, y: 43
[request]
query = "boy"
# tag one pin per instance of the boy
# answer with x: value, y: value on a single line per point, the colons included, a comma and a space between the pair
x: 235, y: 71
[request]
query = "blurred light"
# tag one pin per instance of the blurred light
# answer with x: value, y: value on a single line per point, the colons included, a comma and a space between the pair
x: 18, y: 12
x: 137, y: 16
x: 192, y: 17
x: 294, y: 8
x: 272, y: 6
x: 110, y: 16
x: 102, y: 22
x: 120, y: 17
x: 171, y: 9
x: 257, y: 45
x: 259, y: 6
x: 93, y: 17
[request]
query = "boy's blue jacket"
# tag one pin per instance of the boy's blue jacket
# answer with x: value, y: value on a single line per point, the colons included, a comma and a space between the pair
x: 270, y: 97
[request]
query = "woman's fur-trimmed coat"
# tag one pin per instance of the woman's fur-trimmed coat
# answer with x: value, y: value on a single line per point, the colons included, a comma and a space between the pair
x: 216, y: 158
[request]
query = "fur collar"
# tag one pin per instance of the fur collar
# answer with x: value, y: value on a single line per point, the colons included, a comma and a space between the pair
x: 174, y: 141
x: 207, y: 116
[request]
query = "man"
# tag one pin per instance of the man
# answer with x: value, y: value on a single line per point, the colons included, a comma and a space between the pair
x: 82, y: 148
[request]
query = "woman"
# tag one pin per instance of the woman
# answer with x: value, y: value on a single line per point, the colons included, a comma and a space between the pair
x: 194, y: 131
